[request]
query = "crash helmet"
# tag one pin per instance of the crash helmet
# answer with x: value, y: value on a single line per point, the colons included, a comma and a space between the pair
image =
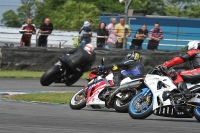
x: 89, y: 48
x: 193, y: 45
x: 133, y: 56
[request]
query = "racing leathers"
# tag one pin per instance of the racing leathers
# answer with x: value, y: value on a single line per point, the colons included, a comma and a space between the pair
x: 79, y: 61
x: 185, y: 75
x: 126, y: 68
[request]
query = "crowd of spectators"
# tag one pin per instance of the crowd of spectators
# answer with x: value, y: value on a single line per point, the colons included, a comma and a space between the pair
x: 112, y: 36
x: 108, y: 36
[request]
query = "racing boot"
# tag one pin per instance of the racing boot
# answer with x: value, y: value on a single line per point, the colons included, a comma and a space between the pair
x: 116, y: 80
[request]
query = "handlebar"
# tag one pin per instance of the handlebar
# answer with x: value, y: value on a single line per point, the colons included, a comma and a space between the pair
x: 100, y: 72
x: 157, y: 71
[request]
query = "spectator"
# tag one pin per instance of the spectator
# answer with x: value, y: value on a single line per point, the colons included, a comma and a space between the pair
x: 101, y: 31
x: 45, y: 29
x: 139, y: 37
x: 27, y: 29
x: 119, y: 32
x: 111, y: 42
x: 156, y: 34
x: 85, y: 33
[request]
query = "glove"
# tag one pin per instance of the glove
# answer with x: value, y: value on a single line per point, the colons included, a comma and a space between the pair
x: 162, y: 68
x: 115, y: 68
x: 101, y: 67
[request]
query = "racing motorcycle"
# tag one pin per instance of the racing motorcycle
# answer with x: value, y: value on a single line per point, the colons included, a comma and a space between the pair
x: 98, y: 92
x: 153, y: 98
x: 60, y: 73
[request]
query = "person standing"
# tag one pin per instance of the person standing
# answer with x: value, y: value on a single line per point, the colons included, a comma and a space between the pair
x: 111, y: 41
x: 45, y: 29
x: 156, y: 34
x: 120, y: 30
x: 27, y: 30
x: 85, y: 33
x: 139, y: 37
x: 102, y: 32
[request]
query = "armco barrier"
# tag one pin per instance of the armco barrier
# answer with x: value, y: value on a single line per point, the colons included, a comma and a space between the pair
x: 20, y: 58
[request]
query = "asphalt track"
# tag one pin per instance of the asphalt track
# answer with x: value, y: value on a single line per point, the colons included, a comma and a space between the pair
x: 32, y: 85
x: 17, y: 117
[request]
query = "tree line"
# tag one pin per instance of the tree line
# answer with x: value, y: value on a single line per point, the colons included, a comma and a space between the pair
x: 70, y: 14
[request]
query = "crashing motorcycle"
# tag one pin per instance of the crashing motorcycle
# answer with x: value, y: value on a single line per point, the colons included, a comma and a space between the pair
x: 60, y: 73
x: 99, y: 94
x: 153, y: 98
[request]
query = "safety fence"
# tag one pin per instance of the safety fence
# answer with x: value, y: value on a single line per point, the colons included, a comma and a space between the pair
x: 11, y: 37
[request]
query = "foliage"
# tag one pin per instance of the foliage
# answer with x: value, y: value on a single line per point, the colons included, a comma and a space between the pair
x: 63, y: 19
x: 10, y: 18
x: 70, y: 14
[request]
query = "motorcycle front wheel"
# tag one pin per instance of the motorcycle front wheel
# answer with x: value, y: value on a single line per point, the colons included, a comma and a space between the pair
x: 140, y: 107
x: 50, y: 76
x: 78, y: 101
x: 196, y: 113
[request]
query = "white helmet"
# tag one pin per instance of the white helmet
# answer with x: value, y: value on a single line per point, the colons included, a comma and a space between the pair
x: 89, y: 48
x: 193, y: 45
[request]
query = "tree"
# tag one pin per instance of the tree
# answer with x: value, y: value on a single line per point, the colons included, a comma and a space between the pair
x: 193, y: 11
x: 10, y: 18
x: 63, y: 18
x: 151, y: 6
x: 171, y: 10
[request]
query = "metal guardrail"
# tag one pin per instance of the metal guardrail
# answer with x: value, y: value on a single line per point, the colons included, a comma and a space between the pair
x: 62, y: 39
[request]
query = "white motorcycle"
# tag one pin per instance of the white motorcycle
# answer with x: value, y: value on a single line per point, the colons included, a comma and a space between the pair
x: 152, y: 98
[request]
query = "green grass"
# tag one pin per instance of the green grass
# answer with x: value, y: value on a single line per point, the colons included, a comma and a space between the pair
x: 60, y: 98
x: 20, y: 74
x: 26, y: 74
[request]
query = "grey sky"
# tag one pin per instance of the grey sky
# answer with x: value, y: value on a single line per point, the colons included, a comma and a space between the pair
x: 10, y: 2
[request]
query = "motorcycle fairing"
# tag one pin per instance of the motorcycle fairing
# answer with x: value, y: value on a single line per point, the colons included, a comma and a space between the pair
x: 93, y: 92
x: 169, y: 111
x: 152, y: 82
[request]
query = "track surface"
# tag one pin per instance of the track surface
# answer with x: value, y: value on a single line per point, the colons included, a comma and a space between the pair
x: 34, y: 85
x: 19, y: 117
x: 43, y: 118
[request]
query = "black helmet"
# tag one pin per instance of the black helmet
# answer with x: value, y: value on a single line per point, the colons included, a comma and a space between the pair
x: 133, y: 56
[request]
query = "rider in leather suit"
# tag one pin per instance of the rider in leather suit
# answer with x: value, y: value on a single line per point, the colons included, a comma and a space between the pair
x: 131, y: 66
x: 80, y: 60
x: 193, y: 55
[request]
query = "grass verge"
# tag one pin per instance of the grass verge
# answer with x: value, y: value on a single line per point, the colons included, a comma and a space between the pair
x: 27, y: 74
x: 60, y: 98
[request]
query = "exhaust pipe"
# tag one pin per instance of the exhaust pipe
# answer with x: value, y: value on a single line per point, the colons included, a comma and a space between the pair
x: 133, y: 84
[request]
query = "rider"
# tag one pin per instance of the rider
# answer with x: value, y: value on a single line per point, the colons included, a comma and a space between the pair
x: 130, y: 67
x: 80, y: 60
x: 192, y: 55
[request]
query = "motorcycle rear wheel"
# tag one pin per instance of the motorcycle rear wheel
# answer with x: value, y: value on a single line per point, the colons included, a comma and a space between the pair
x: 78, y: 101
x: 120, y: 106
x: 50, y: 76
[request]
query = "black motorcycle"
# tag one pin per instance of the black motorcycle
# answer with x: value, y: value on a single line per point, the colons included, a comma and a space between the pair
x: 60, y: 72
